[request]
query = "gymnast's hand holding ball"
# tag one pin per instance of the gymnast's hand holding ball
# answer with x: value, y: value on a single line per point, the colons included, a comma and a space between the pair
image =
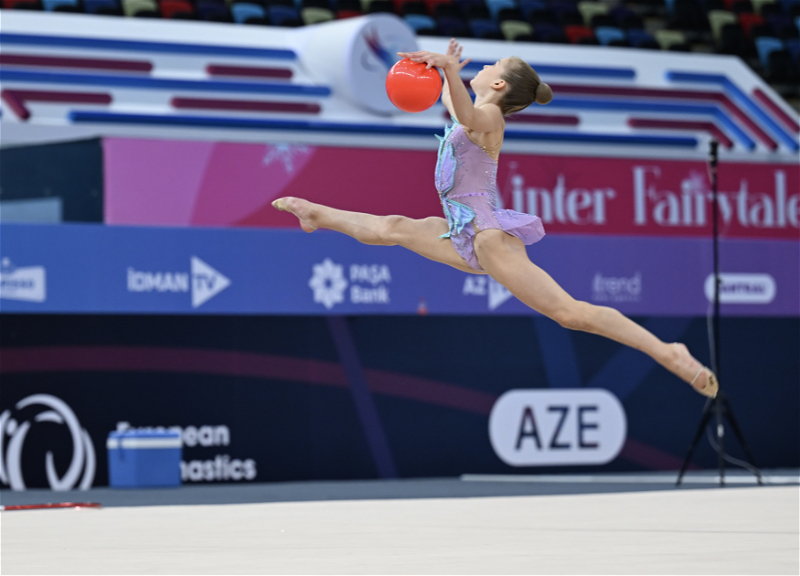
x: 412, y: 85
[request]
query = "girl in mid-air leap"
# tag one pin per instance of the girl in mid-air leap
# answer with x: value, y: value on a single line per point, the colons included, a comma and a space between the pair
x: 478, y: 237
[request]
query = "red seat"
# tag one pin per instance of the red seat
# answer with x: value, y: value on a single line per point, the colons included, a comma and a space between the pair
x: 171, y: 7
x: 576, y: 33
x: 748, y: 20
x: 13, y: 3
x: 348, y: 14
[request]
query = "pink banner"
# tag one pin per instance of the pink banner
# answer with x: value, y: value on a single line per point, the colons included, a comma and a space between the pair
x: 151, y: 182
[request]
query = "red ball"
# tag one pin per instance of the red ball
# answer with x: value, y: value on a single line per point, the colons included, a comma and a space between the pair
x: 413, y: 88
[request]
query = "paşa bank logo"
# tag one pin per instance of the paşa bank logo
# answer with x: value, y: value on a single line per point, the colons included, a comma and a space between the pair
x: 14, y: 429
x: 205, y: 282
x: 368, y: 283
x: 24, y: 283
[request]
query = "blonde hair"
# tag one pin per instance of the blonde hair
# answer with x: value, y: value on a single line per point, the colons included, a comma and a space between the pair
x: 524, y: 87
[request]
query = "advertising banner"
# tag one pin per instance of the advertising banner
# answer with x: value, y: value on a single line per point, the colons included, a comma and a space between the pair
x: 176, y: 183
x: 89, y: 268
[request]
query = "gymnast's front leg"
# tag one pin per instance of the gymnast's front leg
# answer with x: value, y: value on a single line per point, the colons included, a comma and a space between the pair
x: 420, y: 236
x: 505, y: 259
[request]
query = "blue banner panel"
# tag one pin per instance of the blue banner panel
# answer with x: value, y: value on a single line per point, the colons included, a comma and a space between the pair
x: 88, y: 268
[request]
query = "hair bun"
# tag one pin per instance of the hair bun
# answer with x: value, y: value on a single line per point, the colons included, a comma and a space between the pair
x: 544, y: 94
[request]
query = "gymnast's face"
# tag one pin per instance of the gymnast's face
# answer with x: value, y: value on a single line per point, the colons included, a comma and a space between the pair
x: 490, y: 76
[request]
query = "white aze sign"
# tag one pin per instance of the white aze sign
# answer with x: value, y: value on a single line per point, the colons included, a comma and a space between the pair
x: 557, y: 427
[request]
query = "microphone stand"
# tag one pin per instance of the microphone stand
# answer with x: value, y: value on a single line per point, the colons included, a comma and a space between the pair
x: 720, y: 406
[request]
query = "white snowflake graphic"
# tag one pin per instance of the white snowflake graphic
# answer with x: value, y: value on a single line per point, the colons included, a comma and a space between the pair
x: 285, y: 153
x: 328, y: 283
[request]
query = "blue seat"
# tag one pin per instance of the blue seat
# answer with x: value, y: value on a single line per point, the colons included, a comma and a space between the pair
x: 92, y: 6
x: 496, y: 5
x: 766, y: 45
x: 607, y: 34
x: 793, y: 46
x: 51, y: 5
x: 420, y: 22
x: 638, y: 37
x: 528, y: 6
x: 241, y: 11
x: 480, y: 26
x: 670, y: 4
x: 279, y: 14
x: 452, y: 26
x: 547, y: 32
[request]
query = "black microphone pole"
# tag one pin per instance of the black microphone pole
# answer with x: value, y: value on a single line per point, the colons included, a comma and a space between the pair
x: 715, y: 363
x: 720, y: 406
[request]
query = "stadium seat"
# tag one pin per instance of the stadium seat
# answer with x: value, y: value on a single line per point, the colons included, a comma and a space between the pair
x: 626, y: 18
x: 377, y: 6
x: 176, y: 9
x: 606, y: 34
x: 668, y: 38
x: 510, y: 14
x: 759, y: 4
x: 793, y: 47
x: 731, y: 40
x: 747, y: 21
x: 284, y: 16
x: 452, y: 26
x: 53, y: 5
x: 548, y: 32
x: 316, y: 15
x: 576, y: 33
x: 742, y: 7
x: 541, y: 16
x: 314, y: 4
x: 446, y: 10
x: 244, y: 11
x: 717, y: 19
x: 22, y: 5
x: 590, y: 9
x: 141, y: 8
x: 642, y: 39
x: 413, y: 7
x: 483, y: 28
x: 686, y: 15
x: 780, y: 68
x: 420, y: 22
x: 783, y: 26
x: 496, y: 5
x: 106, y: 7
x: 512, y: 29
x: 476, y: 12
x: 528, y: 6
x: 764, y: 46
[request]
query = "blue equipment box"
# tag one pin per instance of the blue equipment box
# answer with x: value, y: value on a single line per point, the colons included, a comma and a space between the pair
x: 139, y: 459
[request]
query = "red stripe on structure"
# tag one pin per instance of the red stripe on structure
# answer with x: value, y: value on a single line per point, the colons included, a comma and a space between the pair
x: 92, y: 63
x: 544, y: 119
x: 536, y: 119
x: 775, y: 109
x: 241, y: 364
x: 718, y: 97
x: 248, y: 71
x: 247, y: 105
x: 16, y: 99
x: 682, y: 125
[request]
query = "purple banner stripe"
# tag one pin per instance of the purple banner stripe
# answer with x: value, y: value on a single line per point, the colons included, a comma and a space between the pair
x: 365, y: 406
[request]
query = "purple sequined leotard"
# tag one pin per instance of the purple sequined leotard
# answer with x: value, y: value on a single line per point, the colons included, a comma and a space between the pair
x: 466, y: 179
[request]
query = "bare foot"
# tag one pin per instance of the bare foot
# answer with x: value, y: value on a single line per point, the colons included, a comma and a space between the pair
x: 690, y: 370
x: 299, y: 208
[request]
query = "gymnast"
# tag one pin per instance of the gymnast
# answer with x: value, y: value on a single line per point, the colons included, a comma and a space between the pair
x: 478, y: 237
